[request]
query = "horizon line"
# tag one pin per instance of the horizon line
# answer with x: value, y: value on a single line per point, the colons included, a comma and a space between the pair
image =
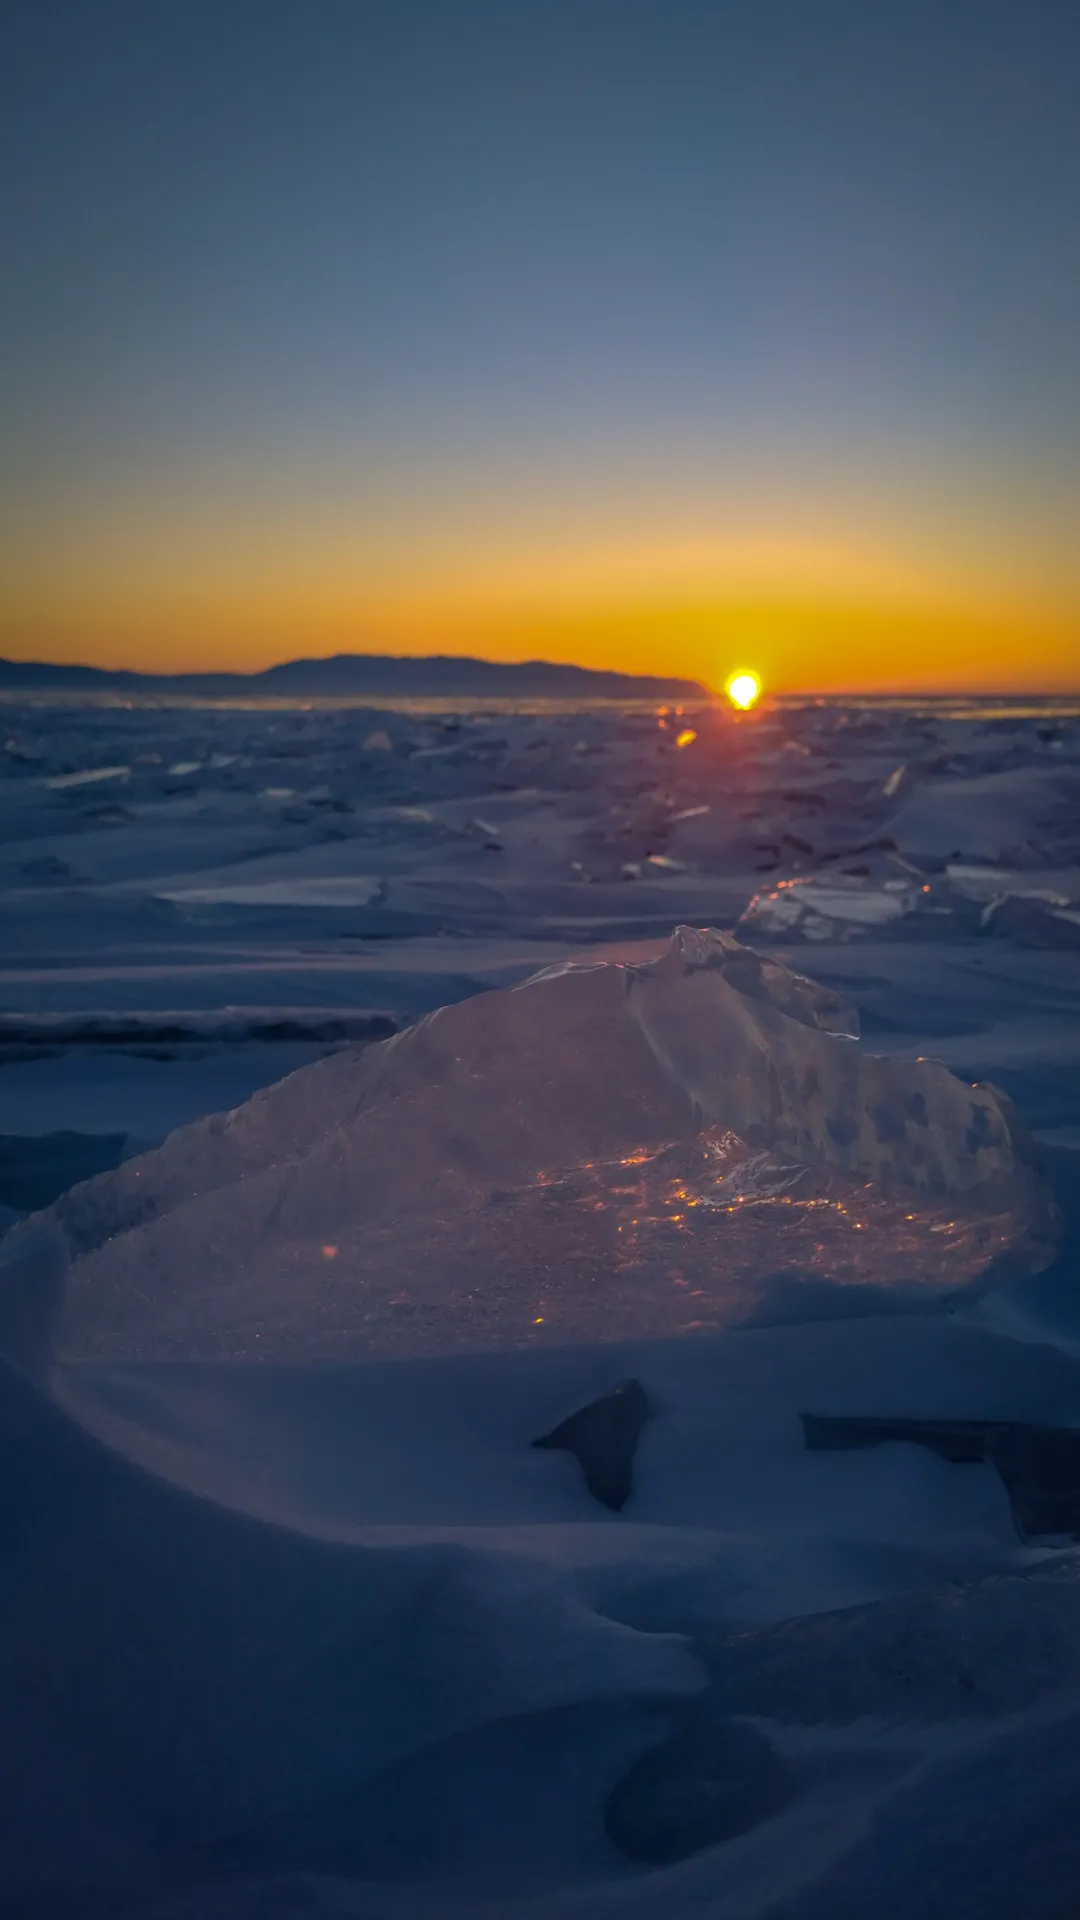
x: 853, y: 691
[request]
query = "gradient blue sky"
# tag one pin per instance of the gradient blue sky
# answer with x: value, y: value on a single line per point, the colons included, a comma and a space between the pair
x: 656, y: 333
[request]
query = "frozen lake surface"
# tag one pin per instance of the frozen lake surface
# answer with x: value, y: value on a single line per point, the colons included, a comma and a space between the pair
x: 297, y: 1618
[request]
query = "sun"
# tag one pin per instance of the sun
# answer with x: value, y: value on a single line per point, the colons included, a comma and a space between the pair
x: 742, y: 687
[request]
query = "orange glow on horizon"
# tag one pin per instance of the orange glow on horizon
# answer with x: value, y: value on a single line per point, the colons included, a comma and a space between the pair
x: 208, y: 579
x: 798, y: 645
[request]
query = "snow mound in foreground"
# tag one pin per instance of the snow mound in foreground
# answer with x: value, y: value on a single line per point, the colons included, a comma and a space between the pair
x: 670, y: 1139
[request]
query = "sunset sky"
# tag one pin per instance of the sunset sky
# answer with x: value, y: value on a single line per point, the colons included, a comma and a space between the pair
x: 655, y: 334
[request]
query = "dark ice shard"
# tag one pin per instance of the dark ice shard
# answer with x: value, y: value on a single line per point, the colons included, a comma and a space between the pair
x: 603, y: 1439
x: 1039, y: 1465
x: 713, y: 1779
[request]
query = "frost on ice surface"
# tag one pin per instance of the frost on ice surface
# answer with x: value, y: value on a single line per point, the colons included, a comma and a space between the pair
x: 685, y: 1137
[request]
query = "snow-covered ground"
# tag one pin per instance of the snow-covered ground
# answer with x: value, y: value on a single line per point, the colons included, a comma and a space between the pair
x: 327, y: 1634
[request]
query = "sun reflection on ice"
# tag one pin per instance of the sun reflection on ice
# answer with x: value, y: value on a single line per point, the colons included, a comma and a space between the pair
x: 611, y: 1226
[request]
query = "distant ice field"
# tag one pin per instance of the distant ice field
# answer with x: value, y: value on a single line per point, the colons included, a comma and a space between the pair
x: 186, y: 888
x: 296, y: 1616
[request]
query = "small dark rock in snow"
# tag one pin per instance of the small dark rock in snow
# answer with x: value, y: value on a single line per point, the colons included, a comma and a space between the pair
x: 603, y: 1439
x: 711, y: 1780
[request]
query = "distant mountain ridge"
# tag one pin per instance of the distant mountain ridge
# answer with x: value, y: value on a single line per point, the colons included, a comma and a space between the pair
x: 425, y: 677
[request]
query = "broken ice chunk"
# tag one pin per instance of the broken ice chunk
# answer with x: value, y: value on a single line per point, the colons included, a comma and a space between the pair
x: 989, y: 884
x: 89, y: 776
x: 1037, y: 909
x: 837, y: 909
x: 652, y: 1142
x: 488, y: 834
x: 1039, y: 1465
x: 1025, y: 812
x: 1032, y: 922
